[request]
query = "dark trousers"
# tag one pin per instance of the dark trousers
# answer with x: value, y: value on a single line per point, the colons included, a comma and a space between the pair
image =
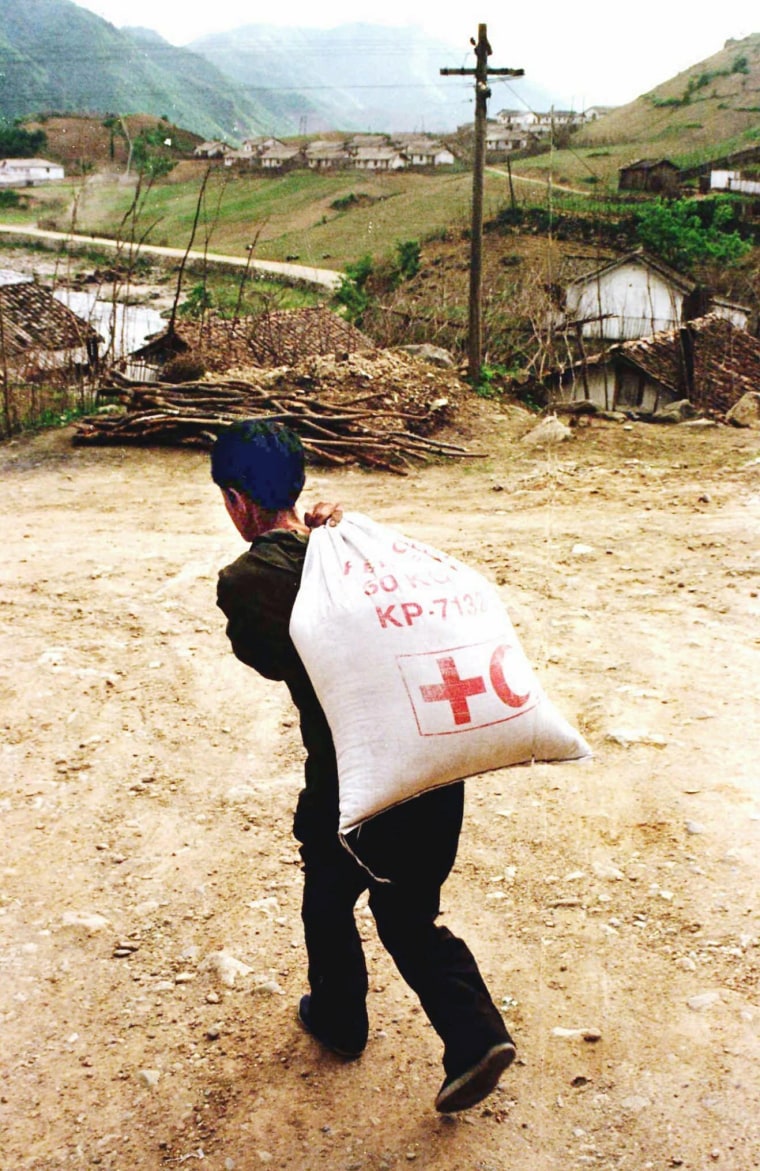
x: 414, y: 845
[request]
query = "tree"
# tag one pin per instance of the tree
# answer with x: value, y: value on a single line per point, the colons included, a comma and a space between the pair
x: 407, y: 259
x: 17, y: 143
x: 685, y: 232
x: 351, y: 294
x: 151, y: 155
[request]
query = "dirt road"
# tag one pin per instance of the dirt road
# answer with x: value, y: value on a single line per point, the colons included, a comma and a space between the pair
x: 148, y: 780
x: 323, y: 277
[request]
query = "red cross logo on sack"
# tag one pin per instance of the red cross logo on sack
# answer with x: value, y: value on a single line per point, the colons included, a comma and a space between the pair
x: 467, y: 687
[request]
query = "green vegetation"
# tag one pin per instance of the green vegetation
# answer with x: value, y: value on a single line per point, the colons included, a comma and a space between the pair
x: 700, y: 81
x: 686, y: 232
x: 407, y: 259
x: 150, y: 153
x: 17, y: 143
x: 241, y: 295
x: 56, y: 416
x: 493, y: 381
x: 281, y: 216
x: 197, y: 302
x: 59, y: 56
x: 352, y: 295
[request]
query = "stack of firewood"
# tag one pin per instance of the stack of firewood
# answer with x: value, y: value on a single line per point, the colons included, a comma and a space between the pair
x: 388, y: 427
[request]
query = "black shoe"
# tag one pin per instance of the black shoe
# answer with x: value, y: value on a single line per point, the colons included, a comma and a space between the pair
x: 477, y: 1082
x: 349, y: 1052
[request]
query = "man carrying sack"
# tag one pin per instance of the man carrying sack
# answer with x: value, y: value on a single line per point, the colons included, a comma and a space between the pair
x: 259, y: 467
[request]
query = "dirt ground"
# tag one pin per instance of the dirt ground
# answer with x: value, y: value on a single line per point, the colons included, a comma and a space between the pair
x: 147, y: 786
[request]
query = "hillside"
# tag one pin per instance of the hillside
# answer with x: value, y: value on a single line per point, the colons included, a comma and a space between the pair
x: 58, y: 57
x: 707, y: 111
x: 81, y: 142
x: 354, y: 77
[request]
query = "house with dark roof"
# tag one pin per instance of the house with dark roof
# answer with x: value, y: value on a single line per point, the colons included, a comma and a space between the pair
x: 708, y: 361
x: 38, y: 333
x: 658, y: 176
x: 278, y: 338
x: 211, y: 150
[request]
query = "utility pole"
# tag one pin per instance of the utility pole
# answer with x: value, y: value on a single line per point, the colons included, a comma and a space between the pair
x: 482, y: 94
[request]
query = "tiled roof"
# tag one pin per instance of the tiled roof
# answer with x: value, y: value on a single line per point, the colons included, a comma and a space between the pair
x: 639, y: 256
x: 279, y: 338
x: 648, y: 165
x: 708, y: 361
x: 287, y: 335
x: 33, y: 320
x: 726, y: 361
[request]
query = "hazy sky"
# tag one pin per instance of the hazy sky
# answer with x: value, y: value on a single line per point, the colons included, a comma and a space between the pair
x: 588, y: 52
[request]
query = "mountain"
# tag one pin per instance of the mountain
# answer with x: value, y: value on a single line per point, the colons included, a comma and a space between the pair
x: 708, y: 110
x: 354, y: 77
x: 57, y: 56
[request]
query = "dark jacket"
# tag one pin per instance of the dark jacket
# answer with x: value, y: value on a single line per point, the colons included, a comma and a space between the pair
x: 256, y: 593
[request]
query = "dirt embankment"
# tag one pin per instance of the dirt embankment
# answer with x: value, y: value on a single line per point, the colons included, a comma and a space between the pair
x: 147, y: 787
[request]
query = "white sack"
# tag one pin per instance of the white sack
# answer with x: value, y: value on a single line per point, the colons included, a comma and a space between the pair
x: 417, y: 667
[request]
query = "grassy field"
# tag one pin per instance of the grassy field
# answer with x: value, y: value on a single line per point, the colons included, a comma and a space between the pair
x: 302, y: 215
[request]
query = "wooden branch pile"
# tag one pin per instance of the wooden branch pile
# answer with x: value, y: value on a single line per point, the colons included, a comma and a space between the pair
x: 338, y: 426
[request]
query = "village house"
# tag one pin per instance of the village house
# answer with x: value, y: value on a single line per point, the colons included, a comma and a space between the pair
x: 519, y: 119
x: 281, y: 158
x: 637, y: 295
x: 365, y: 152
x: 28, y: 172
x: 508, y: 117
x: 429, y: 155
x: 211, y: 150
x: 359, y: 141
x: 274, y: 158
x: 595, y: 112
x: 40, y: 334
x: 657, y: 176
x: 420, y: 150
x: 564, y: 118
x: 378, y: 158
x: 253, y: 152
x: 543, y: 122
x: 504, y: 139
x: 707, y: 361
x: 325, y: 155
x: 733, y: 181
x: 257, y: 146
x: 239, y: 158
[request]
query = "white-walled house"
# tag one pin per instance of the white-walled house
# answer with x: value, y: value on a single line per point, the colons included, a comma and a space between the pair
x: 631, y: 297
x: 503, y: 139
x: 378, y: 158
x: 638, y: 295
x: 28, y: 172
x: 593, y: 113
x: 422, y: 154
x: 733, y: 181
x: 257, y: 146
